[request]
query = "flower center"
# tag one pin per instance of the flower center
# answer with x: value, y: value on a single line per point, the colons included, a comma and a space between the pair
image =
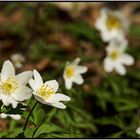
x: 10, y: 85
x: 45, y: 91
x: 69, y: 71
x: 113, y: 22
x: 115, y: 55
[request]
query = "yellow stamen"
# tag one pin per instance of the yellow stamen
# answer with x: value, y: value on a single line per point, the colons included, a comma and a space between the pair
x: 113, y: 22
x: 115, y: 55
x: 69, y: 71
x: 45, y: 91
x: 10, y: 85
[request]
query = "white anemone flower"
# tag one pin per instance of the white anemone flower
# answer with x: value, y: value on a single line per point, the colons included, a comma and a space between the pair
x: 117, y: 58
x: 46, y: 92
x: 112, y: 24
x: 72, y: 73
x: 13, y: 89
x: 17, y: 60
x: 13, y: 116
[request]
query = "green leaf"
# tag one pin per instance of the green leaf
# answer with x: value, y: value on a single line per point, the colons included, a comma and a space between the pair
x: 125, y: 104
x: 3, y: 134
x: 134, y: 31
x: 39, y: 116
x: 116, y: 135
x: 115, y: 120
x: 29, y: 132
x: 16, y: 133
x: 20, y: 135
x: 48, y: 128
x: 51, y: 114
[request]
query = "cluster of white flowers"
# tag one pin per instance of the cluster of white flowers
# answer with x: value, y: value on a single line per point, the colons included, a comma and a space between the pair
x: 113, y: 26
x: 14, y: 90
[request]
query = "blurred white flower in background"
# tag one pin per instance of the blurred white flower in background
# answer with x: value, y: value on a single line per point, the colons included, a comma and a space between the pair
x: 17, y: 59
x: 112, y: 24
x: 70, y: 6
x: 13, y: 87
x: 64, y: 5
x: 13, y: 116
x: 117, y: 58
x: 72, y: 73
x: 138, y: 131
x: 46, y: 92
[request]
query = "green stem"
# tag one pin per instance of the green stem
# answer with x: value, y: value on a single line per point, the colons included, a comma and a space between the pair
x: 38, y: 127
x: 48, y: 119
x: 1, y: 108
x: 29, y: 116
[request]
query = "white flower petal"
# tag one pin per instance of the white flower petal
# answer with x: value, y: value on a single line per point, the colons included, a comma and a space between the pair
x: 108, y: 65
x: 22, y: 93
x: 7, y: 70
x: 100, y: 22
x: 119, y: 44
x: 125, y: 22
x: 120, y: 69
x: 78, y: 79
x: 76, y: 61
x: 138, y: 130
x: 24, y: 77
x: 1, y: 94
x: 18, y: 65
x: 105, y: 36
x: 7, y: 100
x: 127, y: 59
x: 53, y: 84
x: 59, y: 105
x: 17, y: 57
x: 58, y: 97
x: 39, y: 98
x: 68, y: 83
x: 15, y: 116
x: 38, y: 79
x: 3, y: 115
x: 55, y: 104
x: 32, y: 84
x: 81, y: 69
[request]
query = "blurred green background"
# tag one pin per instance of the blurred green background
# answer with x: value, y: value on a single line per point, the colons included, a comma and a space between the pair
x: 48, y: 34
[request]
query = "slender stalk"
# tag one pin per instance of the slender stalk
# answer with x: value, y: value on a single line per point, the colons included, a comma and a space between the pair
x: 48, y: 119
x: 29, y: 116
x: 1, y: 108
x: 39, y: 126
